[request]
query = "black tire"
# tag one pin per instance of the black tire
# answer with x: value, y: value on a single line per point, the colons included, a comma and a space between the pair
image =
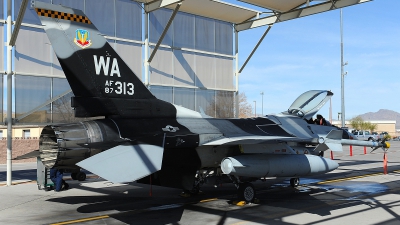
x: 370, y: 139
x: 321, y: 153
x: 246, y: 192
x: 81, y: 176
x: 73, y: 176
x: 294, y: 182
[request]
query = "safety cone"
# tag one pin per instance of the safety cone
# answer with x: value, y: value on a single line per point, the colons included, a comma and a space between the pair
x: 384, y: 163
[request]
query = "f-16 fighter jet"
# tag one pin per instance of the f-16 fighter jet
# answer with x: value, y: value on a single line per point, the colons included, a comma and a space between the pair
x: 142, y: 137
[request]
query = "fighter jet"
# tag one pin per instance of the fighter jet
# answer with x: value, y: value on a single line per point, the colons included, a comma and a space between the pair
x: 142, y: 138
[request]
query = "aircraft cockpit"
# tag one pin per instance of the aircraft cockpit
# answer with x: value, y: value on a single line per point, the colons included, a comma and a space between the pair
x: 308, y: 103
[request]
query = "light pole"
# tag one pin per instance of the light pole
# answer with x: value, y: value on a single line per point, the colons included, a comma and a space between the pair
x: 342, y: 63
x: 262, y: 103
x: 255, y: 108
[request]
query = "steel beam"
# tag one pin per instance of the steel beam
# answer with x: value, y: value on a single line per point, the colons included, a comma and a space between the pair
x: 146, y: 49
x: 298, y: 13
x: 237, y: 110
x: 152, y: 6
x: 43, y: 105
x: 9, y: 94
x: 18, y: 22
x: 255, y: 48
x: 164, y: 31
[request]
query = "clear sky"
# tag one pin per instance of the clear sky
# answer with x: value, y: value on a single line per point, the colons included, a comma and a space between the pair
x: 304, y: 54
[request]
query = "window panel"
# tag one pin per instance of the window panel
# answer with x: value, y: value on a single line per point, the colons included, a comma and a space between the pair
x: 183, y: 27
x: 105, y: 22
x: 1, y: 9
x: 60, y: 85
x: 184, y: 74
x: 205, y: 101
x: 223, y: 37
x: 162, y: 93
x: 161, y: 67
x: 31, y: 92
x: 205, y: 34
x: 75, y: 4
x: 224, y: 104
x: 131, y: 53
x: 32, y: 52
x: 129, y: 20
x: 205, y: 71
x: 2, y: 48
x: 62, y: 110
x: 224, y: 73
x: 158, y: 20
x: 184, y: 97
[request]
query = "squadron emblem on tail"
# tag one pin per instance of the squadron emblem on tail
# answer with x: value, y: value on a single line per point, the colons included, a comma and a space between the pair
x: 82, y: 38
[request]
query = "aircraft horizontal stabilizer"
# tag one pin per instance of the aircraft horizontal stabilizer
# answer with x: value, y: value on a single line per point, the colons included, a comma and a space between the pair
x: 125, y: 163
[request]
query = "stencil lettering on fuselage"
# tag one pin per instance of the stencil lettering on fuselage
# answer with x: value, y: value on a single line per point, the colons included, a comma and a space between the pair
x: 103, y: 65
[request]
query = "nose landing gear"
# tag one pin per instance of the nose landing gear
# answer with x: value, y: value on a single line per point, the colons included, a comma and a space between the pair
x: 294, y: 182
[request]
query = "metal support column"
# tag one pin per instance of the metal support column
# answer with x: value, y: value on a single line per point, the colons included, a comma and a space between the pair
x: 165, y: 31
x: 237, y: 111
x: 9, y: 94
x: 342, y: 68
x: 146, y: 49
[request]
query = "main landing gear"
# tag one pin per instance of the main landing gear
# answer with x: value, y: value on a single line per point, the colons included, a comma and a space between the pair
x: 245, y: 190
x: 81, y: 176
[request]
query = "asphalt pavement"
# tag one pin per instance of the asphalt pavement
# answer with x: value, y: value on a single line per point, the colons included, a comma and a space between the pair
x: 358, y: 192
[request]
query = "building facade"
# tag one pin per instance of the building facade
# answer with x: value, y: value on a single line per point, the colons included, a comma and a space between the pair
x: 192, y: 68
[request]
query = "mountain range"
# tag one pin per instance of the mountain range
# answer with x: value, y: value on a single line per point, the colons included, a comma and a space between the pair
x: 383, y: 114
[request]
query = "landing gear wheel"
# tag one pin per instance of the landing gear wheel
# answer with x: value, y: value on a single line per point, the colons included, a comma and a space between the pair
x: 73, y: 176
x: 81, y: 176
x: 246, y: 192
x: 195, y: 191
x: 294, y: 182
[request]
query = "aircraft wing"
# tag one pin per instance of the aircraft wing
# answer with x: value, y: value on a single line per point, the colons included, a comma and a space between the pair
x: 256, y: 140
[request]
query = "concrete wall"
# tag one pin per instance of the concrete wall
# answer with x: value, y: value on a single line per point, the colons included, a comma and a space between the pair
x: 19, y: 147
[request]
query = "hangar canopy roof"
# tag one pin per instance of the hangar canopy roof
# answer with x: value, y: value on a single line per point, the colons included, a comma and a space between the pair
x: 208, y: 8
x: 266, y: 12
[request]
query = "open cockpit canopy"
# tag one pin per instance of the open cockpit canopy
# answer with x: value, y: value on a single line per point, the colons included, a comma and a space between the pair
x: 308, y: 103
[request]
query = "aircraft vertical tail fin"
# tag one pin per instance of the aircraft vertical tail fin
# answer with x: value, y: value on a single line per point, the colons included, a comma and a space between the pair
x: 99, y: 78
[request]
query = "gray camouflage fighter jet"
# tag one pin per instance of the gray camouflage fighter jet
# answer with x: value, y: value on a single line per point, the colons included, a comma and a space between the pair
x: 142, y: 137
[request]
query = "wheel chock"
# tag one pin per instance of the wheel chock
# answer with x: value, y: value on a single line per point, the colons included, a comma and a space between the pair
x: 239, y: 203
